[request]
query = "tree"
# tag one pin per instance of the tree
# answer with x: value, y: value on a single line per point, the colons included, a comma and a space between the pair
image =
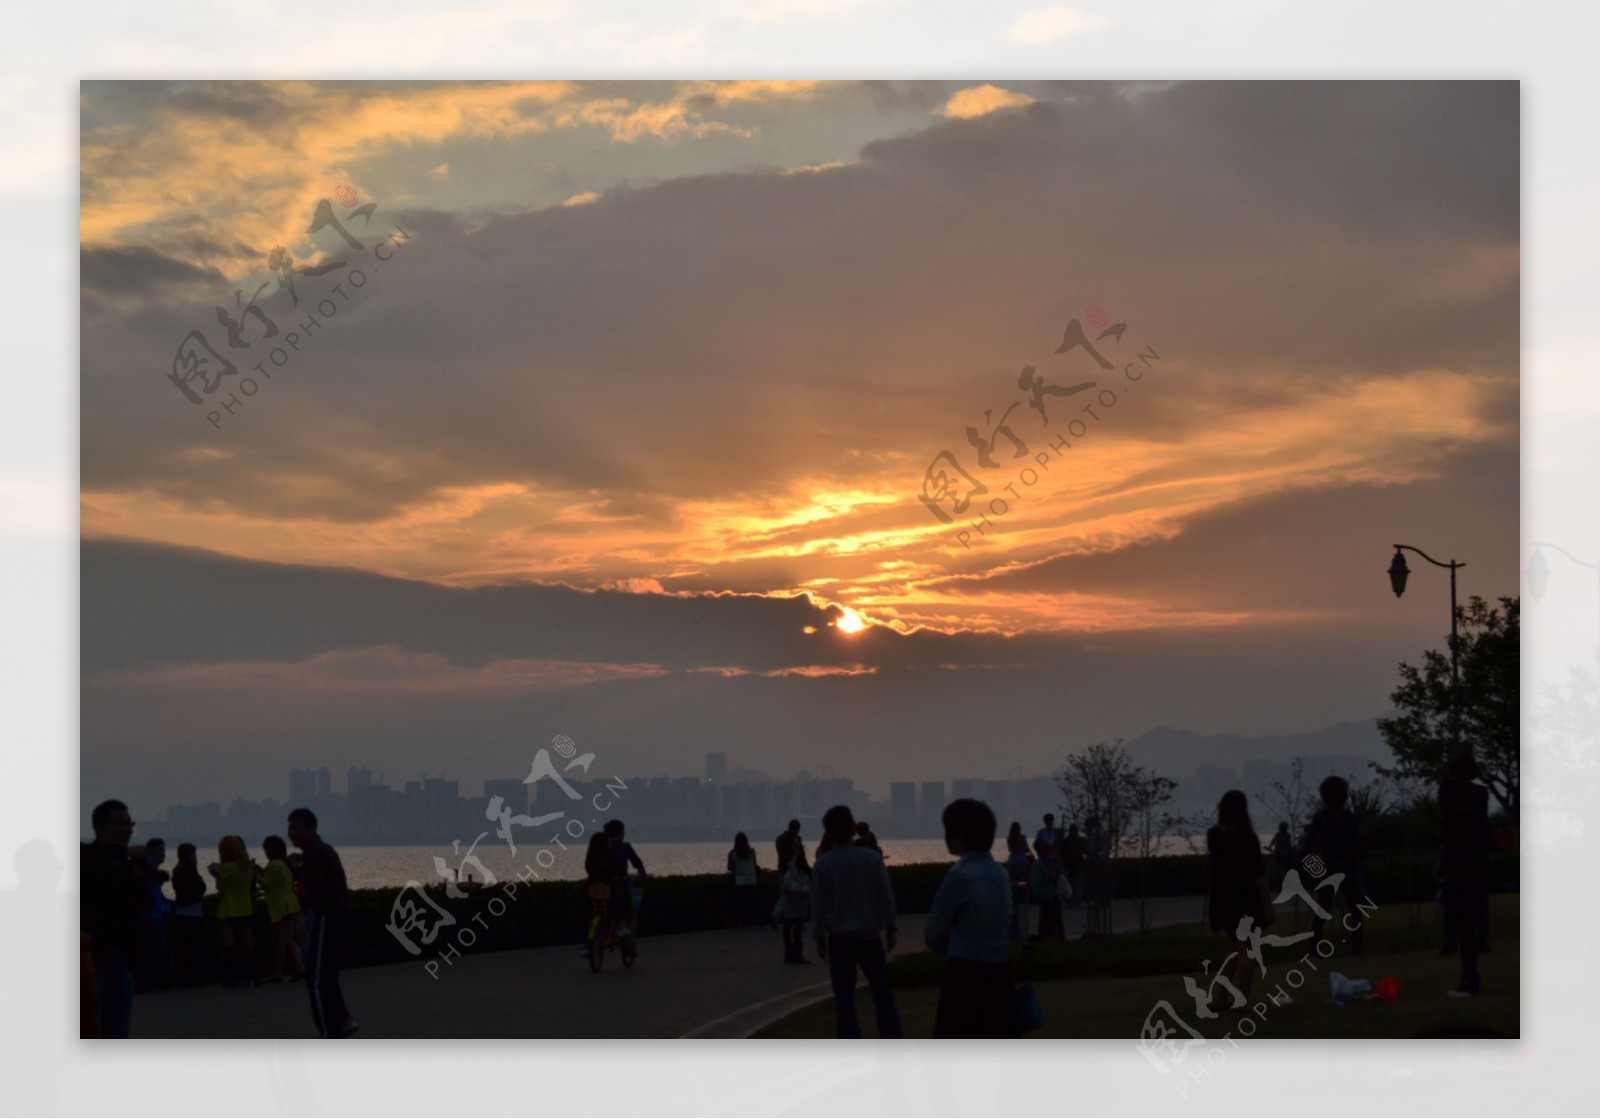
x: 1488, y: 650
x: 1291, y: 801
x: 1146, y: 793
x: 1094, y: 786
x: 1414, y: 806
x: 1102, y: 782
x: 1368, y: 800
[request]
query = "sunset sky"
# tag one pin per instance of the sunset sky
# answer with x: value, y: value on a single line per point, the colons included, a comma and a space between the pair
x: 640, y: 401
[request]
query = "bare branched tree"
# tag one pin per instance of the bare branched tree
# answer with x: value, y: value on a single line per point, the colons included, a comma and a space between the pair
x: 1102, y: 784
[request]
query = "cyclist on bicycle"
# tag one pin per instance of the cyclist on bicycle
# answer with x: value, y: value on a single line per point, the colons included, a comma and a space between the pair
x: 622, y: 855
x: 597, y: 873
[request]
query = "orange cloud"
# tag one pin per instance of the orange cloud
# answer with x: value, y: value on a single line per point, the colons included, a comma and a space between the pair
x: 199, y: 171
x: 983, y: 99
x: 869, y: 545
x: 385, y: 668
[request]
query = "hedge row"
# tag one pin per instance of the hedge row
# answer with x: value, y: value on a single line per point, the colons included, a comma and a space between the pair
x: 512, y: 915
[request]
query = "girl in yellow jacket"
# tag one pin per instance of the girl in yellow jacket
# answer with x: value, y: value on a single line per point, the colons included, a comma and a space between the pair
x: 283, y: 909
x: 235, y: 875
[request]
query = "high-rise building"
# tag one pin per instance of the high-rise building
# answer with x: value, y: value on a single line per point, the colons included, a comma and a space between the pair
x: 783, y: 803
x: 512, y: 792
x: 732, y: 806
x: 684, y: 806
x: 440, y: 805
x: 357, y: 780
x: 758, y: 805
x: 716, y: 768
x: 902, y: 801
x: 324, y: 783
x: 658, y: 805
x: 963, y: 788
x: 413, y: 809
x: 931, y: 807
x: 809, y: 798
x: 835, y: 790
x: 198, y: 820
x: 1000, y: 796
x: 302, y: 786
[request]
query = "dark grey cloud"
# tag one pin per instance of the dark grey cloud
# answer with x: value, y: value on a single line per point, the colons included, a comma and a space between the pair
x: 717, y: 333
x: 1322, y: 548
x: 938, y: 704
x: 153, y: 605
x: 141, y: 271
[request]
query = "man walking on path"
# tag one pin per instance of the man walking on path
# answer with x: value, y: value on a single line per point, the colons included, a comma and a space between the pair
x: 853, y: 904
x: 328, y: 921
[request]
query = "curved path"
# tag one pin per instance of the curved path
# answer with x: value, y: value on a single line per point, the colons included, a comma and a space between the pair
x: 721, y: 984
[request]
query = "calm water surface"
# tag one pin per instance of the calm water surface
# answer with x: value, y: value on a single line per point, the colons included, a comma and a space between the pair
x: 370, y: 867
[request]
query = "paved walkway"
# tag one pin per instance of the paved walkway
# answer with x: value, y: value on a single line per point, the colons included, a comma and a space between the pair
x: 720, y: 984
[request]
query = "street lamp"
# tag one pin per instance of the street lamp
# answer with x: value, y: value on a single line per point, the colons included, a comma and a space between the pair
x: 1398, y: 572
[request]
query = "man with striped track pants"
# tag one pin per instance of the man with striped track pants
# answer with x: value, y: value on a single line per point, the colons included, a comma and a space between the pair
x: 328, y: 926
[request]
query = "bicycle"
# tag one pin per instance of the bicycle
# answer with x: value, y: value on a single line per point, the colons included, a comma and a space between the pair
x: 606, y: 930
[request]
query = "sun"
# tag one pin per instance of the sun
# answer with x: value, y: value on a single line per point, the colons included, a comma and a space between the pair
x: 850, y: 621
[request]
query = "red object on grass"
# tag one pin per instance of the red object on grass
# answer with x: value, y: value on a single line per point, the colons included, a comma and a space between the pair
x: 1386, y: 989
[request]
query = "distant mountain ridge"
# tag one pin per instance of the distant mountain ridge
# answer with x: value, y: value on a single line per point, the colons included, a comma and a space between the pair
x: 1173, y: 752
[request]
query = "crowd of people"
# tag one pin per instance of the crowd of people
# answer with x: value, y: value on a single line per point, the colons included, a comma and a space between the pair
x: 982, y: 908
x: 846, y: 894
x: 1245, y: 880
x: 134, y: 938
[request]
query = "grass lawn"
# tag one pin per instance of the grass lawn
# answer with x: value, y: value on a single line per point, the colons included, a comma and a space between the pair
x: 1104, y: 989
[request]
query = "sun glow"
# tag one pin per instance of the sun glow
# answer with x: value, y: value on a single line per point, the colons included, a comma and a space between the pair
x: 850, y: 621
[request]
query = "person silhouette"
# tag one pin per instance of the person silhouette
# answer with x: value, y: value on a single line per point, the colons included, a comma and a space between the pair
x: 744, y: 870
x: 970, y: 925
x: 853, y: 904
x: 1238, y: 889
x: 1073, y: 852
x: 622, y: 857
x: 1044, y: 884
x: 794, y: 905
x: 115, y: 894
x: 1464, y: 861
x: 236, y: 879
x: 1050, y: 833
x: 155, y: 971
x: 188, y: 924
x: 283, y: 911
x: 1019, y: 865
x: 1335, y: 838
x: 329, y: 926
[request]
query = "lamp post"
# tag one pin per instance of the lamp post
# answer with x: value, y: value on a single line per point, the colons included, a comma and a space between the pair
x: 1539, y: 570
x: 1398, y: 571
